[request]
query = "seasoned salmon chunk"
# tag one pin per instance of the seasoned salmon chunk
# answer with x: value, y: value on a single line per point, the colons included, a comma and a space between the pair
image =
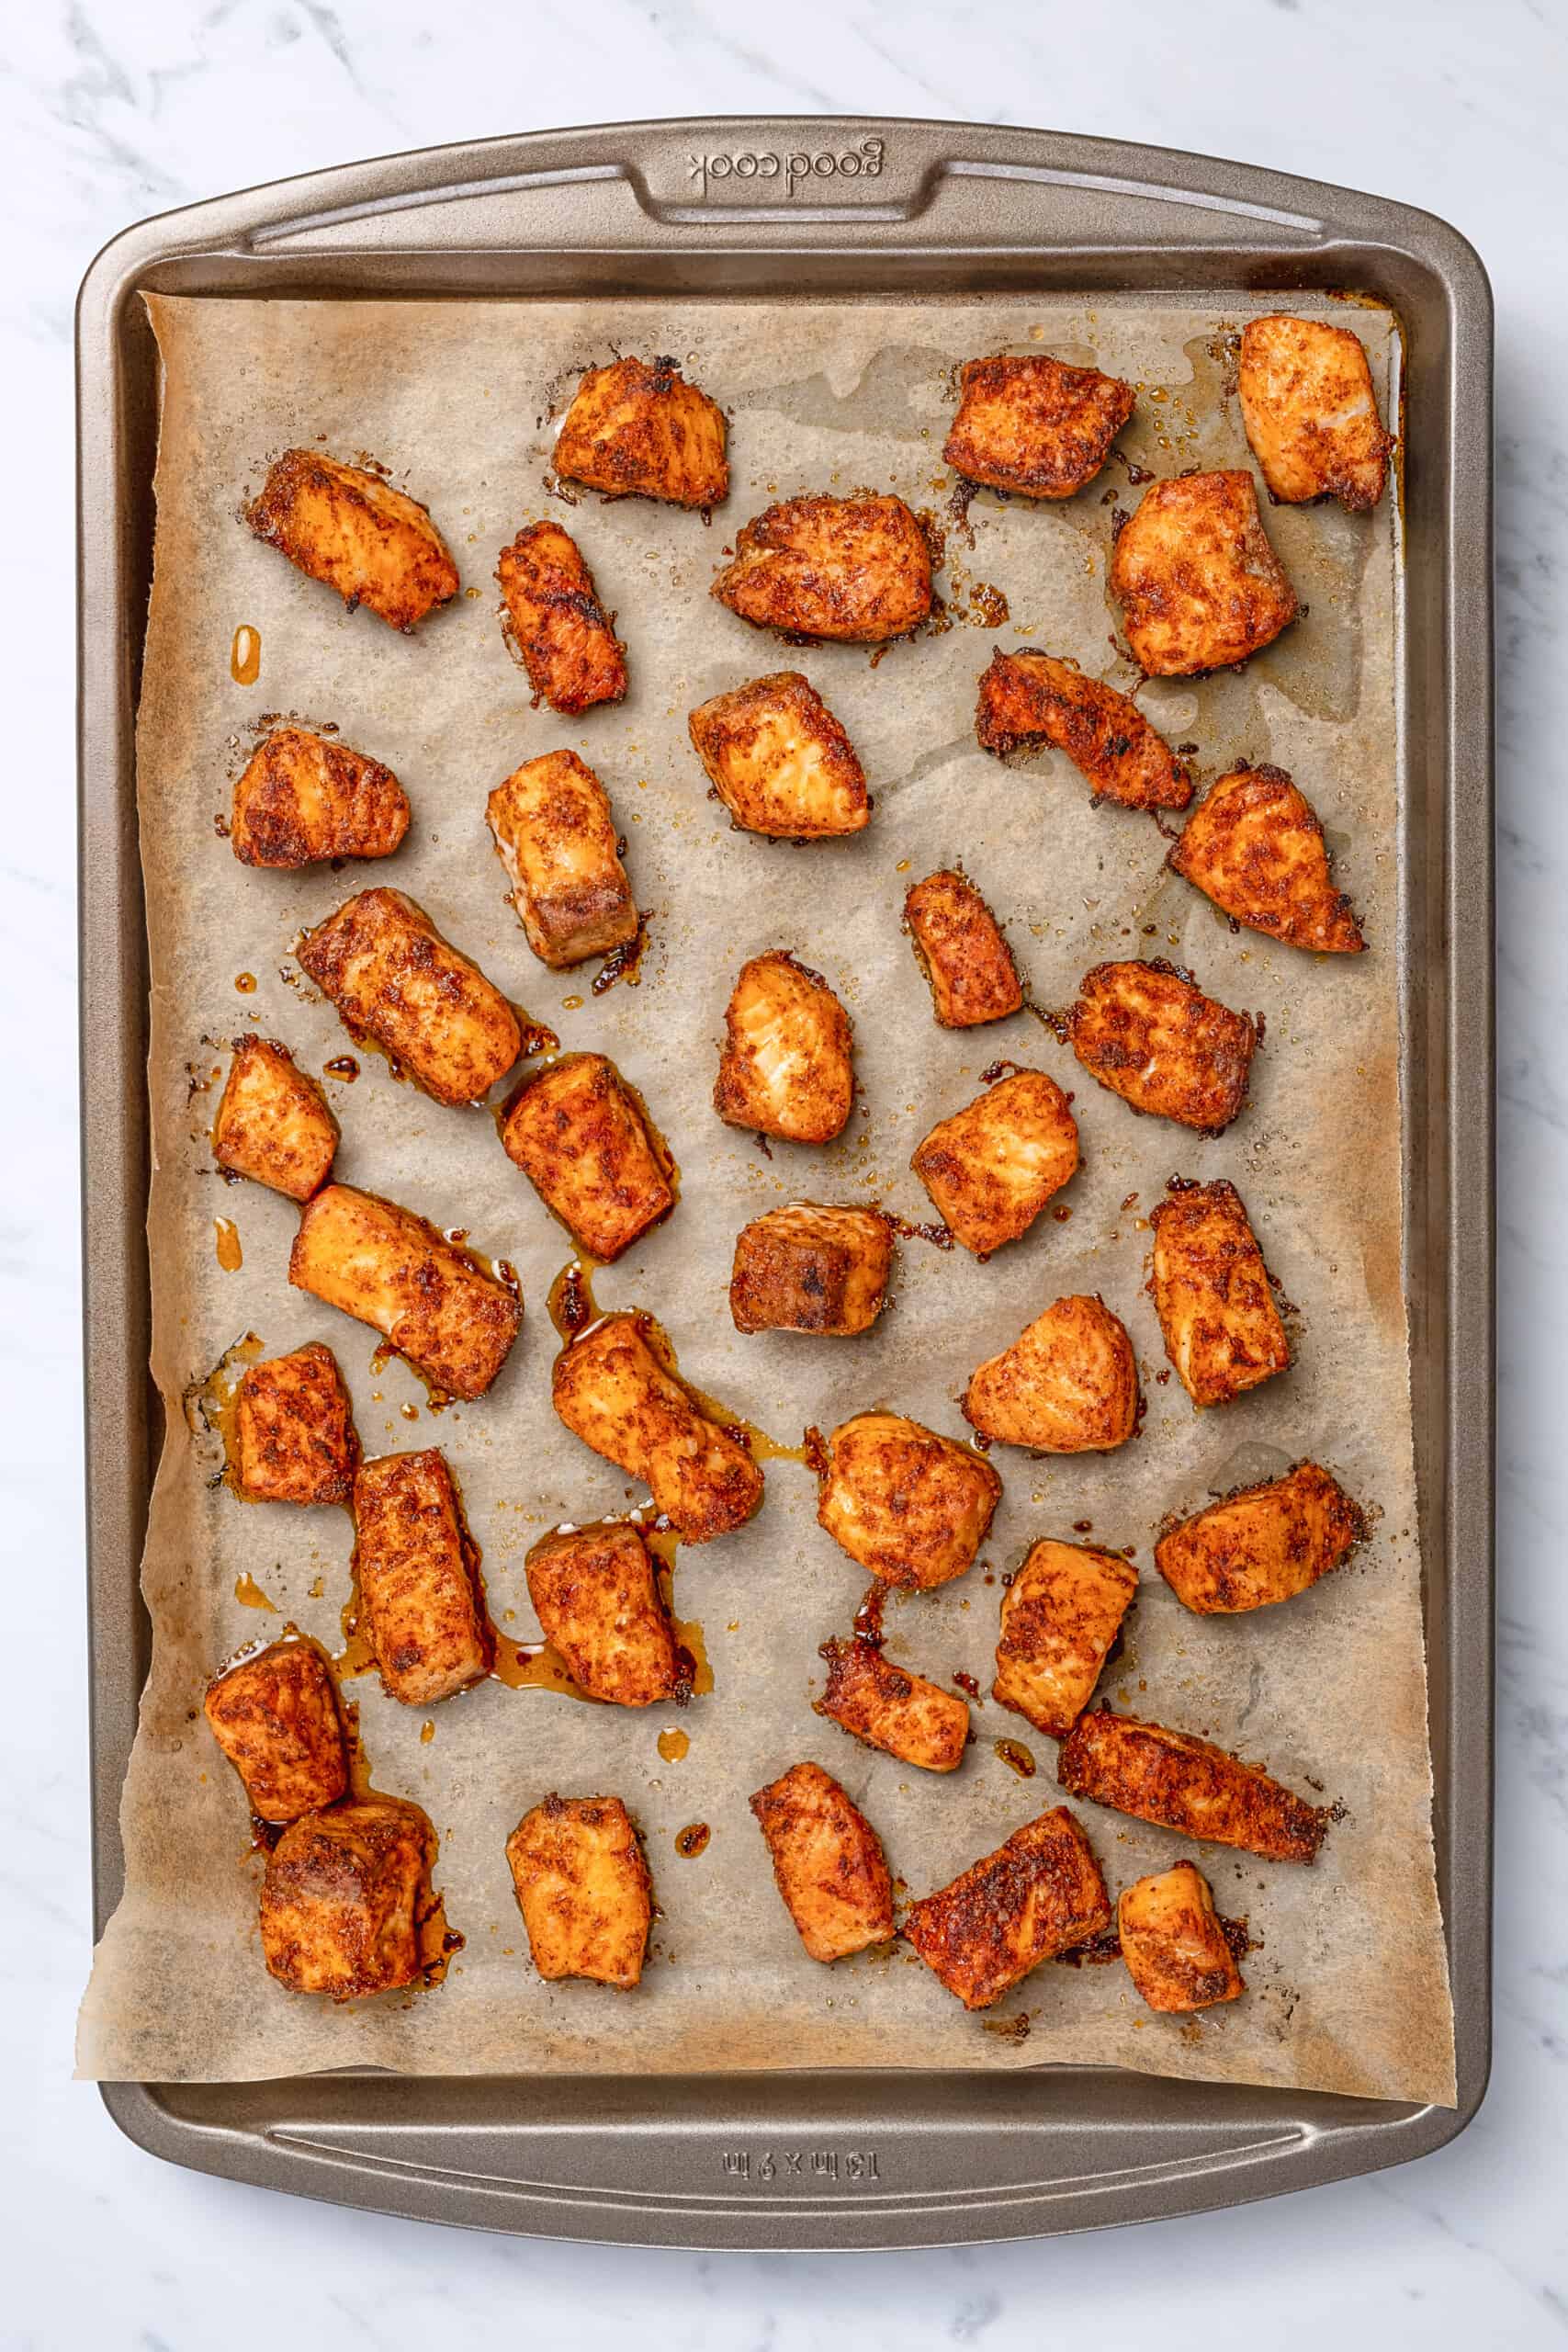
x: 1035, y: 426
x: 637, y: 429
x: 959, y: 948
x: 1310, y: 412
x: 348, y: 527
x: 1198, y: 583
x: 614, y: 1389
x: 294, y: 1436
x: 892, y: 1709
x: 583, y: 1889
x: 857, y: 568
x: 1212, y: 1294
x: 785, y: 1068
x: 1255, y: 846
x: 579, y: 1135
x: 1184, y: 1783
x: 1148, y: 1033
x: 304, y: 798
x: 1068, y: 1385
x: 780, y: 761
x: 1027, y: 699
x: 393, y: 977
x: 1061, y: 1616
x: 343, y: 1898
x: 993, y: 1166
x: 431, y: 1301
x: 595, y: 1593
x: 418, y: 1577
x: 828, y: 1862
x: 808, y: 1268
x: 553, y: 620
x: 273, y: 1124
x: 1262, y: 1545
x: 911, y: 1506
x: 1174, y: 1942
x: 276, y: 1717
x: 1038, y: 1895
x: 555, y: 833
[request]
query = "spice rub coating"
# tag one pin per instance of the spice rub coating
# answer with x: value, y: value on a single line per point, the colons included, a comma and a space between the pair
x: 1262, y: 1545
x: 828, y: 1862
x: 273, y: 1124
x: 555, y: 622
x: 1035, y: 424
x: 811, y: 1267
x: 303, y: 797
x: 853, y: 568
x: 1146, y: 1032
x: 596, y: 1596
x: 1198, y: 582
x: 961, y: 948
x: 992, y: 1167
x: 1212, y: 1294
x: 349, y: 528
x: 555, y: 833
x: 1186, y: 1783
x: 911, y: 1506
x: 1254, y: 845
x: 614, y: 1390
x: 342, y: 1899
x: 294, y: 1435
x: 893, y: 1709
x: 637, y: 429
x: 276, y: 1717
x: 1174, y: 1942
x: 1060, y: 1618
x: 418, y: 1577
x: 779, y: 761
x: 578, y: 1131
x: 393, y: 977
x: 1310, y: 411
x: 1068, y: 1385
x: 583, y: 1888
x: 1032, y: 698
x: 431, y: 1301
x: 1037, y: 1896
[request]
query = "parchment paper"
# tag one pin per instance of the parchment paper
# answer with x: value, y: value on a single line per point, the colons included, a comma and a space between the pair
x: 1349, y: 1990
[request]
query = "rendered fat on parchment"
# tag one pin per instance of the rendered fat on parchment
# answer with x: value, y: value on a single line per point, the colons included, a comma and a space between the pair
x: 1348, y: 1991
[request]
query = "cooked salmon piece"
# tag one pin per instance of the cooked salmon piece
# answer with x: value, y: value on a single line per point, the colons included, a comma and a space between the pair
x: 417, y: 1572
x: 779, y: 761
x: 893, y: 1709
x: 1035, y: 426
x: 304, y: 798
x: 553, y: 622
x: 614, y: 1389
x: 1027, y: 699
x: 1262, y: 1545
x: 431, y: 1300
x: 1310, y: 412
x: 580, y: 1137
x: 1037, y: 1896
x: 1212, y: 1294
x: 583, y: 1889
x: 273, y: 1124
x: 394, y: 978
x: 595, y: 1592
x: 787, y: 1066
x: 294, y: 1434
x: 344, y: 1897
x: 828, y: 1862
x: 1068, y: 1385
x: 637, y: 429
x: 555, y: 832
x: 1146, y: 1032
x: 1255, y: 846
x: 1198, y: 584
x: 1060, y: 1619
x: 1188, y: 1784
x: 960, y: 947
x: 992, y: 1167
x: 276, y: 1717
x: 856, y: 569
x: 1174, y: 1941
x: 349, y: 528
x: 911, y: 1506
x: 810, y: 1268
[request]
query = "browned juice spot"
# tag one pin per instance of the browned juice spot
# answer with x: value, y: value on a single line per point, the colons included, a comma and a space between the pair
x: 244, y: 655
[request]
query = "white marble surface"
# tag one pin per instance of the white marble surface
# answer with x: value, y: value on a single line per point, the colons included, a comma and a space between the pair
x: 114, y: 110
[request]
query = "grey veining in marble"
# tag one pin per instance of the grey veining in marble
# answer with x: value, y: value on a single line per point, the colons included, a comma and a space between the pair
x: 112, y: 110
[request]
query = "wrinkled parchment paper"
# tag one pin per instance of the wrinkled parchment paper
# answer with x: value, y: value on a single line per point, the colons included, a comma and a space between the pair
x: 1348, y: 1991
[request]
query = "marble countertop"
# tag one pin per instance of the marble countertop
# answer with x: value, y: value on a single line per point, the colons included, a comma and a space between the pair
x: 111, y: 113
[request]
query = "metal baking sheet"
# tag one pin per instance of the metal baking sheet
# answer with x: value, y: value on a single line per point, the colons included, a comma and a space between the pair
x: 912, y: 209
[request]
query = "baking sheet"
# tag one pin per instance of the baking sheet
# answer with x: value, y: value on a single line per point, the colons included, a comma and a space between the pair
x: 1349, y: 1990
